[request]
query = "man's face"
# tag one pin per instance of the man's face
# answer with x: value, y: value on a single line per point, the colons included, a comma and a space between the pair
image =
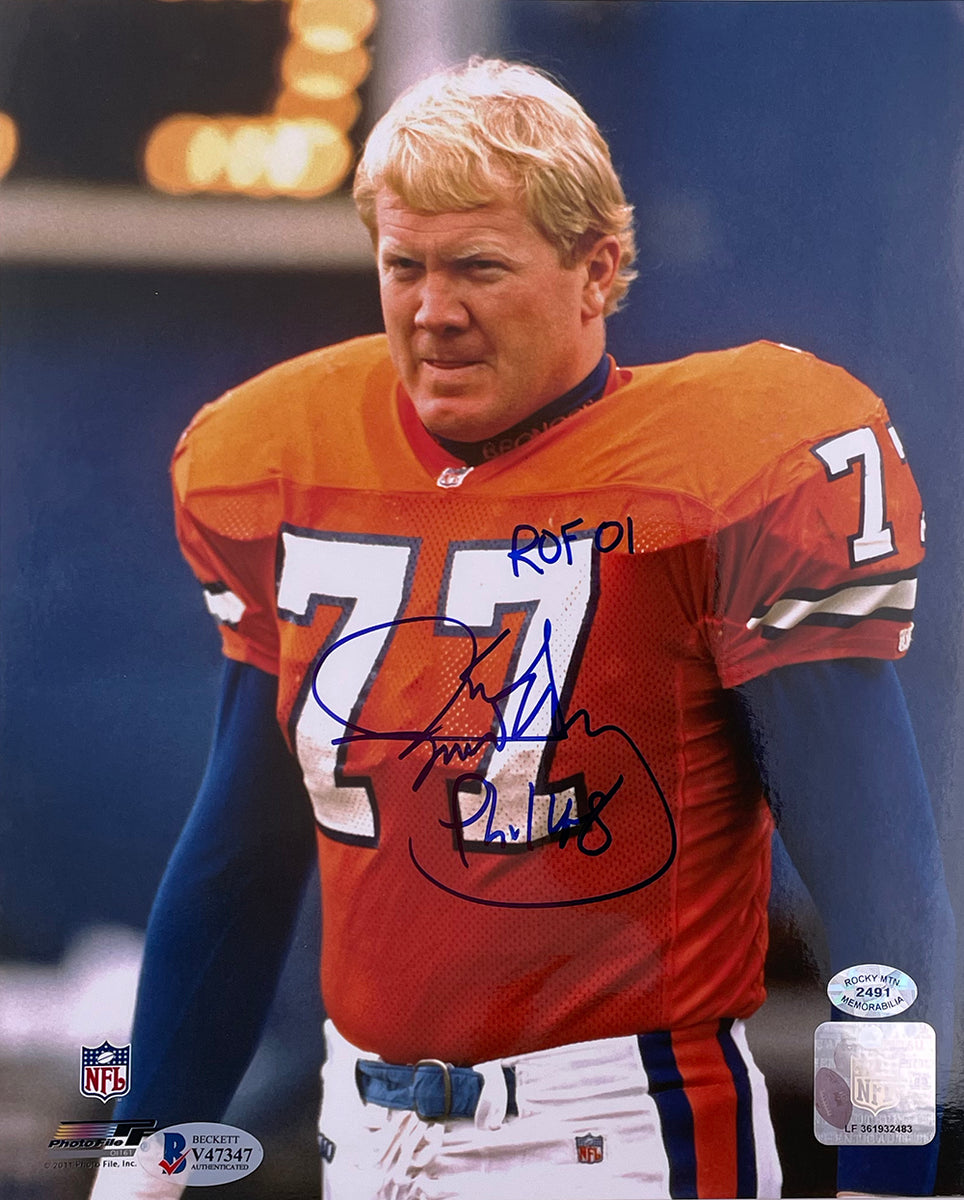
x: 484, y: 323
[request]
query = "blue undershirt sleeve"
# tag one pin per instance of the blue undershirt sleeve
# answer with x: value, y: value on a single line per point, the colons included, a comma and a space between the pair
x: 224, y: 914
x: 838, y: 758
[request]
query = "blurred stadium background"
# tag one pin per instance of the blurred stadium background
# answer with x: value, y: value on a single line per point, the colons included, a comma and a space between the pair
x: 174, y: 218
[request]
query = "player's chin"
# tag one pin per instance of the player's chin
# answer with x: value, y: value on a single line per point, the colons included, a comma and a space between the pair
x: 461, y: 418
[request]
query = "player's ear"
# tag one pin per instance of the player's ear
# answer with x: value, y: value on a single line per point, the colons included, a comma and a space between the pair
x: 600, y: 263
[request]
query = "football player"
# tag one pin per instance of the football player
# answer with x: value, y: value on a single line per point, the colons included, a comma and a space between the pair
x: 520, y: 642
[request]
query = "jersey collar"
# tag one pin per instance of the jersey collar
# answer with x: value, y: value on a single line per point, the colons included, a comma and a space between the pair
x: 439, y: 454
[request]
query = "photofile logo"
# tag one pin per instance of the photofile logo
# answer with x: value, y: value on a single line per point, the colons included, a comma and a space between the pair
x: 90, y: 1139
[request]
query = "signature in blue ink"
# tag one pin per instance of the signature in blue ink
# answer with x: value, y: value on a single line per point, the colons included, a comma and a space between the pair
x: 534, y: 697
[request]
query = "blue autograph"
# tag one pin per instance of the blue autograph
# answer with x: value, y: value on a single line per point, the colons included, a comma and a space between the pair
x: 535, y: 691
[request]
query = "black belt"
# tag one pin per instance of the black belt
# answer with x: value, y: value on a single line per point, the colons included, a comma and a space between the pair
x: 433, y: 1090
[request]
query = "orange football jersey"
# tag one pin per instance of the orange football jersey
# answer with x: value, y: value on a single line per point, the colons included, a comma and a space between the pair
x: 538, y: 819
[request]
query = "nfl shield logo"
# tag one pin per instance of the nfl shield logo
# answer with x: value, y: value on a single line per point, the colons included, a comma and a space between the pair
x: 874, y: 1082
x: 105, y: 1071
x: 589, y: 1149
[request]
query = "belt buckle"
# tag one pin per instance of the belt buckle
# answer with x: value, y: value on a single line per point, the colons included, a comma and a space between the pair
x: 446, y: 1088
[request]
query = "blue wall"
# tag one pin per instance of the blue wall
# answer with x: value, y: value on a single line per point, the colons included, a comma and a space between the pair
x: 110, y: 664
x: 797, y: 175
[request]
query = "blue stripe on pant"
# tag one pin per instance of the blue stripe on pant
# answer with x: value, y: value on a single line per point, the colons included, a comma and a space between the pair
x: 746, y: 1177
x: 668, y: 1089
x: 675, y: 1114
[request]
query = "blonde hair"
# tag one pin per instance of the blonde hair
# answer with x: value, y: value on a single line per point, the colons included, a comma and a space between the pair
x: 459, y: 138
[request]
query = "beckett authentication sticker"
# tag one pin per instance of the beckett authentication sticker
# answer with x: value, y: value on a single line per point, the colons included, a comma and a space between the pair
x: 200, y: 1154
x: 874, y: 1084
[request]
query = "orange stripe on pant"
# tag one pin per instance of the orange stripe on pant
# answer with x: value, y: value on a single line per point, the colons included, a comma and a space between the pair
x: 709, y: 1086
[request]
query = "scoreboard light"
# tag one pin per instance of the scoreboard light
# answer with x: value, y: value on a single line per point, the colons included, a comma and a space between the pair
x: 300, y: 148
x: 206, y: 152
x: 167, y: 162
x: 287, y: 156
x: 324, y: 76
x: 332, y: 26
x: 257, y: 156
x: 9, y: 142
x: 341, y: 112
x: 247, y: 156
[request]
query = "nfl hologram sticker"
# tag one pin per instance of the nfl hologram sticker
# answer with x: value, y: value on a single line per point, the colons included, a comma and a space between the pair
x: 874, y: 1083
